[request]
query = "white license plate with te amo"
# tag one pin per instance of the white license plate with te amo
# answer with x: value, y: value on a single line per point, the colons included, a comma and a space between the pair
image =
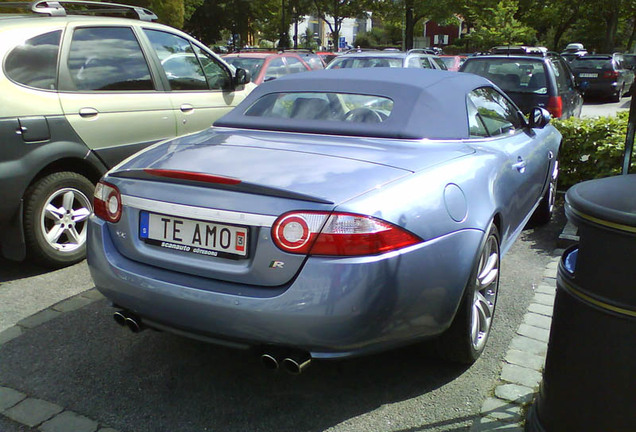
x: 193, y: 236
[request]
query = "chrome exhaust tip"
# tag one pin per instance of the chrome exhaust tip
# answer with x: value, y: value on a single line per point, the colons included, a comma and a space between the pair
x: 134, y: 324
x: 269, y: 361
x: 296, y: 364
x: 120, y: 318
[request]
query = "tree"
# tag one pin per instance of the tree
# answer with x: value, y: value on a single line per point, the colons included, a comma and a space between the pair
x: 333, y: 12
x: 497, y: 25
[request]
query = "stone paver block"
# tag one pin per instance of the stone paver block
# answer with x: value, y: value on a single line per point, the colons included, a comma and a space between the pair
x: 498, y: 409
x: 69, y: 421
x: 520, y: 375
x: 486, y: 424
x: 537, y: 320
x: 72, y: 304
x: 39, y: 318
x: 541, y: 309
x: 10, y: 334
x: 532, y: 346
x: 514, y: 393
x: 92, y: 294
x: 550, y: 273
x: 542, y: 335
x: 546, y: 289
x: 525, y: 359
x: 553, y: 265
x: 544, y: 299
x: 32, y: 412
x: 9, y: 397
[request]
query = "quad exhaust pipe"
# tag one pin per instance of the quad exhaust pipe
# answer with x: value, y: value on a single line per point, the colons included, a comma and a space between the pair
x: 128, y: 319
x: 293, y: 362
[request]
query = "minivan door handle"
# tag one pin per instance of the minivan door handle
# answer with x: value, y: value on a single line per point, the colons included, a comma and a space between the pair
x: 186, y: 108
x: 88, y: 112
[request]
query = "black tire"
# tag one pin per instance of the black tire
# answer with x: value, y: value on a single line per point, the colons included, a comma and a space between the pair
x: 618, y: 95
x: 543, y: 212
x: 56, y: 211
x: 466, y: 338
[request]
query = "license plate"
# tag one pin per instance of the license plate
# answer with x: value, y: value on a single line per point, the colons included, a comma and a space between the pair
x: 193, y: 236
x: 588, y: 75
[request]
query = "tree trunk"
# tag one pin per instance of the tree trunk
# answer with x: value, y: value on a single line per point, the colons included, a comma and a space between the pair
x: 611, y: 22
x: 408, y: 25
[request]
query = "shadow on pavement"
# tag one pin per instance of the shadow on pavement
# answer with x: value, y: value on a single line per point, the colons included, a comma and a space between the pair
x: 159, y: 382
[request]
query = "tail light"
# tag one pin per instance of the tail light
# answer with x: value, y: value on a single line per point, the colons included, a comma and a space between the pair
x: 338, y: 234
x: 610, y: 74
x: 555, y: 106
x: 107, y: 202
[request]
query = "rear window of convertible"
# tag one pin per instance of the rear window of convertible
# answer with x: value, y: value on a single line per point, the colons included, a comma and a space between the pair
x: 340, y: 107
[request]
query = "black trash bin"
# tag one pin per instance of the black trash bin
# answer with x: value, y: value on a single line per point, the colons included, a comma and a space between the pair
x: 589, y: 380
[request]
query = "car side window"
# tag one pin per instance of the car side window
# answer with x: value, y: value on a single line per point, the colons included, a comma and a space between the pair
x: 563, y: 79
x: 476, y: 125
x: 440, y: 63
x: 414, y: 62
x: 107, y: 59
x: 275, y: 69
x: 218, y: 76
x: 34, y: 62
x: 294, y: 65
x: 499, y: 116
x: 424, y: 63
x: 179, y: 62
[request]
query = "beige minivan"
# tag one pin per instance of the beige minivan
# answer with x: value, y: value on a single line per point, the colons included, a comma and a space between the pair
x: 80, y: 92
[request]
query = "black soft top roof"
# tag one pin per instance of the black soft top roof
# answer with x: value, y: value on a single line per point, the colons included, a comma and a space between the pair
x: 427, y: 103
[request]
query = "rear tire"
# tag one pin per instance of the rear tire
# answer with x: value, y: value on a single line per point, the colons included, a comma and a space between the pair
x: 465, y: 339
x: 619, y: 94
x: 56, y: 212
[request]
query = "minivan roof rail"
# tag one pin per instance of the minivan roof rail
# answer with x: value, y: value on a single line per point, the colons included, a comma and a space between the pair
x: 56, y: 8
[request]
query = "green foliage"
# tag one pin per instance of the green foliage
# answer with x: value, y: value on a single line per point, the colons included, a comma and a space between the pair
x: 497, y: 25
x: 170, y: 12
x: 591, y: 148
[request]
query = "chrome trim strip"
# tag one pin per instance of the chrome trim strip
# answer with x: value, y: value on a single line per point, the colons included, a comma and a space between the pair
x: 202, y: 213
x: 606, y: 306
x: 602, y: 222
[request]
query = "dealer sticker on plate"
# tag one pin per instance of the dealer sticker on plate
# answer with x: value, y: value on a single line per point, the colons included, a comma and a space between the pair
x: 193, y: 236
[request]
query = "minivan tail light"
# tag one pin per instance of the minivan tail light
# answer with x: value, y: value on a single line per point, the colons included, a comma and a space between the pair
x: 338, y: 234
x: 555, y: 106
x: 107, y: 202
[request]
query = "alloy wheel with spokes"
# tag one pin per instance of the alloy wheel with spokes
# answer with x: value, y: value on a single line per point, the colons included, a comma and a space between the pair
x: 56, y: 213
x: 485, y: 293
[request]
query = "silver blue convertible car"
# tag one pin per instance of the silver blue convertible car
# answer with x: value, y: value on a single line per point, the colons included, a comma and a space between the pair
x: 331, y: 214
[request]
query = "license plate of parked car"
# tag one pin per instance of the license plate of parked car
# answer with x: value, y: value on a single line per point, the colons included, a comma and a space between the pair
x: 588, y: 75
x: 193, y: 236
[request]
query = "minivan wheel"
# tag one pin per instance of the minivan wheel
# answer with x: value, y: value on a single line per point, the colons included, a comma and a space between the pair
x: 619, y: 94
x: 56, y: 211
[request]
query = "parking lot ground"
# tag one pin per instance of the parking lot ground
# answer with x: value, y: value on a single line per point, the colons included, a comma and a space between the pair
x: 110, y: 379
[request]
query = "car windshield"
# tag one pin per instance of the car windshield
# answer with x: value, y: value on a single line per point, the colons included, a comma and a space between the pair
x: 253, y: 65
x: 365, y: 62
x: 592, y: 63
x: 343, y: 107
x: 511, y: 75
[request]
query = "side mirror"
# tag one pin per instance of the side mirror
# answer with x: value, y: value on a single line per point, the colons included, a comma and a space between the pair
x: 539, y: 118
x: 241, y: 77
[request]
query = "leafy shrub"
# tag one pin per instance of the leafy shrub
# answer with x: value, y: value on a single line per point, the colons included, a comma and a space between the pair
x: 591, y: 148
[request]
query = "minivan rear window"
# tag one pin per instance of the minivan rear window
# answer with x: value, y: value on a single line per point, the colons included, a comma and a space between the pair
x: 34, y: 63
x: 511, y: 74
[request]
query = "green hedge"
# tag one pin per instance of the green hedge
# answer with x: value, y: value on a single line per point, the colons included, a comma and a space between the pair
x: 591, y: 148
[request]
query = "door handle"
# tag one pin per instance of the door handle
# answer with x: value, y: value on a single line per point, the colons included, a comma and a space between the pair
x: 520, y: 165
x: 88, y: 112
x: 186, y: 108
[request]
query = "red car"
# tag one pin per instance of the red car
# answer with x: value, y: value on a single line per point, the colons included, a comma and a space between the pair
x: 453, y: 62
x: 266, y: 66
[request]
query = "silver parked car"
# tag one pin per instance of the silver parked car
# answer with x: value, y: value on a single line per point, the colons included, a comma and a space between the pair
x: 331, y: 214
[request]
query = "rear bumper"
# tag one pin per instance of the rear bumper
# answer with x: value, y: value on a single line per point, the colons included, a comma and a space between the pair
x: 333, y: 308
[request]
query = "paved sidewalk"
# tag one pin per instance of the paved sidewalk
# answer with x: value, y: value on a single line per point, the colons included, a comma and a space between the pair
x: 522, y: 370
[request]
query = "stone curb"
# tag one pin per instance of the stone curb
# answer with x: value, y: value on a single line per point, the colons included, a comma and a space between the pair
x: 38, y: 413
x: 522, y: 370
